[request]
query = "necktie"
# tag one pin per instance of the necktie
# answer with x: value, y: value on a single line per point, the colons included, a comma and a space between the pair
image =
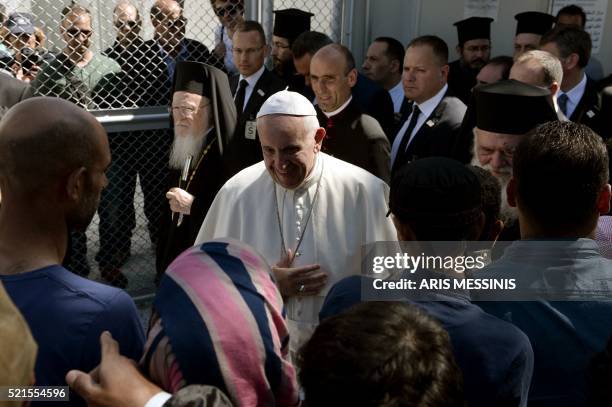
x: 401, y: 156
x: 562, y: 101
x: 239, y: 99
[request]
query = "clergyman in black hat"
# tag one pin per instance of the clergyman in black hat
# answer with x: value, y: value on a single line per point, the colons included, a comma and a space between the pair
x: 204, y: 118
x: 288, y: 25
x: 474, y: 49
x: 530, y: 26
x: 504, y: 112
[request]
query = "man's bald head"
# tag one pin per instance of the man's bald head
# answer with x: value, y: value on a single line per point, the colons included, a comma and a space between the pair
x: 332, y: 75
x: 44, y: 139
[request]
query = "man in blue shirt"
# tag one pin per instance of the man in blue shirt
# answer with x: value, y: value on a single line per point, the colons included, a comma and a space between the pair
x: 438, y: 199
x: 53, y: 158
x: 556, y: 264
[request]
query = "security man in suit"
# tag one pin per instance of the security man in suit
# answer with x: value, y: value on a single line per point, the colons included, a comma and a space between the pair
x: 250, y: 88
x: 578, y: 98
x: 436, y: 115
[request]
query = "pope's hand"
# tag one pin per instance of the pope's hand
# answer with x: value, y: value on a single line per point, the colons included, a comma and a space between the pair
x: 180, y: 200
x: 300, y: 281
x: 116, y: 382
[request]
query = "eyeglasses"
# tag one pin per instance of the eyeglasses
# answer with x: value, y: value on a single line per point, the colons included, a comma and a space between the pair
x: 129, y: 24
x: 279, y: 45
x: 229, y: 10
x: 75, y: 32
x: 186, y: 110
x: 179, y: 23
x: 476, y: 48
x: 248, y: 51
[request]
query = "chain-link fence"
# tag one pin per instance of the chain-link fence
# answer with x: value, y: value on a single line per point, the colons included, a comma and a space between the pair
x: 117, y: 60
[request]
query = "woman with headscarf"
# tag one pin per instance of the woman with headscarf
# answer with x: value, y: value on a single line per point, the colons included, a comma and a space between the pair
x: 204, y: 119
x: 219, y: 320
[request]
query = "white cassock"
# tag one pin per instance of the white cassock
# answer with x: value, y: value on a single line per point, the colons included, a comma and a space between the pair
x: 349, y: 212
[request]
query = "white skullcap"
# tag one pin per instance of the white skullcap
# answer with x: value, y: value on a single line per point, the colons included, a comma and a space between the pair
x: 288, y: 103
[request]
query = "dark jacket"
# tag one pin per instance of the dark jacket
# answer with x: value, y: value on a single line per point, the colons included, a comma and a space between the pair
x: 247, y: 150
x: 357, y: 138
x: 437, y: 135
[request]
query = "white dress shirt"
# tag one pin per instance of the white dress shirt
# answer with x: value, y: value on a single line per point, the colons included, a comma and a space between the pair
x: 228, y: 59
x: 397, y: 95
x: 252, y: 81
x: 573, y: 96
x: 426, y: 109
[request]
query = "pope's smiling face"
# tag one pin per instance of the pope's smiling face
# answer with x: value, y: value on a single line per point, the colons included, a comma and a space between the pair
x: 289, y: 145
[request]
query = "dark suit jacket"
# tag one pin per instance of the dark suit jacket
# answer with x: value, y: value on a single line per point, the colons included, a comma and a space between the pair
x: 357, y: 138
x: 12, y: 91
x: 375, y: 101
x: 244, y: 151
x: 437, y: 135
x: 461, y: 80
x: 587, y: 110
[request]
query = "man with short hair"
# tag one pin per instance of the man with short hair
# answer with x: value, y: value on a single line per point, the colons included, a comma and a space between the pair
x: 383, y: 64
x: 432, y: 200
x: 568, y: 319
x: 578, y: 98
x: 77, y: 73
x: 204, y: 118
x: 293, y: 204
x: 128, y: 41
x: 66, y: 313
x: 540, y: 68
x: 474, y: 49
x: 288, y: 25
x: 497, y: 69
x: 351, y: 135
x: 574, y: 15
x: 530, y: 26
x: 504, y: 112
x: 436, y: 115
x: 373, y: 98
x: 409, y: 351
x: 251, y: 87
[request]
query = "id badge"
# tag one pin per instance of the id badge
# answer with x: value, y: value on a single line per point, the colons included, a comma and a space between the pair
x: 250, y: 130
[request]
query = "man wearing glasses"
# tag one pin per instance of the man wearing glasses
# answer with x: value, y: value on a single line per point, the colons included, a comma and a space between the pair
x: 288, y: 25
x: 474, y: 50
x: 251, y: 87
x: 76, y: 73
x: 230, y: 14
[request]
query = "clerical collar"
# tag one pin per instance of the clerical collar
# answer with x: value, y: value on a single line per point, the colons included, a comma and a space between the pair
x: 252, y: 80
x: 341, y: 108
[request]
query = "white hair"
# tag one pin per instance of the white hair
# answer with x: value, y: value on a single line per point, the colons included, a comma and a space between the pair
x: 508, y: 214
x: 183, y: 147
x: 311, y: 125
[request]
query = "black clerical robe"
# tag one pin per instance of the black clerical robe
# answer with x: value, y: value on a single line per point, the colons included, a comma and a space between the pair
x: 208, y: 178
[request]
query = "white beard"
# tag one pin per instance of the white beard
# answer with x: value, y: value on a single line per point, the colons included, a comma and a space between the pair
x: 508, y: 214
x: 183, y: 147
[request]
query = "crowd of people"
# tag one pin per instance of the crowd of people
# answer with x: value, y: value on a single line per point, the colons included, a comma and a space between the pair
x: 266, y: 193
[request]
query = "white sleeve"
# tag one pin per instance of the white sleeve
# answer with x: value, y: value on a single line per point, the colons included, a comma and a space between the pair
x: 158, y: 400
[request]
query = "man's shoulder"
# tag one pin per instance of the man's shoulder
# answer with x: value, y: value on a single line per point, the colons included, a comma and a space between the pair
x: 344, y: 173
x: 453, y: 108
x: 104, y: 64
x: 56, y: 279
x: 271, y: 81
x: 247, y: 178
